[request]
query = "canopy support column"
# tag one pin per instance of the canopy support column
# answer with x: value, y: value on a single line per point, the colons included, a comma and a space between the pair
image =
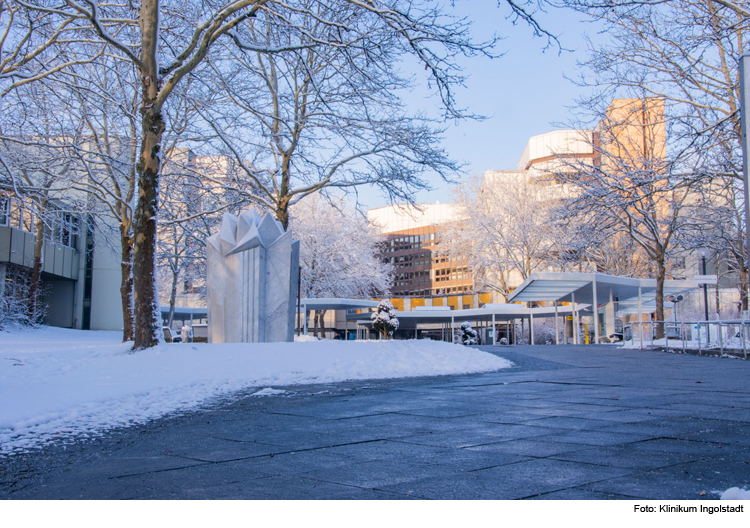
x: 557, y: 326
x: 640, y: 315
x: 595, y: 308
x: 494, y: 332
x: 531, y: 329
x: 453, y: 330
x: 574, y: 320
x: 611, y: 314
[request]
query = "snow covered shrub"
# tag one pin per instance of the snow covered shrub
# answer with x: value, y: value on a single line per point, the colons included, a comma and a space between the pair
x: 467, y: 334
x: 503, y: 341
x: 384, y: 319
x: 14, y: 301
x: 544, y: 331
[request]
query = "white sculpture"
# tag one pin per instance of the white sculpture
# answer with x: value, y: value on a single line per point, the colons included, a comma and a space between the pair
x: 253, y: 267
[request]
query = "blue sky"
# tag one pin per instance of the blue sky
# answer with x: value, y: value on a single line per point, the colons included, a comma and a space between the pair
x: 523, y: 93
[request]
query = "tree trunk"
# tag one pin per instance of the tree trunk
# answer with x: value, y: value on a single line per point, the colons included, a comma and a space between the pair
x: 172, y: 295
x: 743, y: 288
x: 321, y: 316
x: 661, y: 273
x: 282, y: 213
x: 718, y: 296
x: 126, y: 284
x: 146, y: 299
x: 145, y: 292
x: 36, y: 270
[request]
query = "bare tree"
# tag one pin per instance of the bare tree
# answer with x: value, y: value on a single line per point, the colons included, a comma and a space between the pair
x: 504, y: 231
x: 35, y: 172
x: 103, y: 97
x: 720, y: 227
x: 320, y: 117
x: 686, y: 53
x: 632, y: 187
x: 338, y: 252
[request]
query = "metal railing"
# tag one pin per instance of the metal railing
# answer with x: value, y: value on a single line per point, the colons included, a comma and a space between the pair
x: 704, y: 336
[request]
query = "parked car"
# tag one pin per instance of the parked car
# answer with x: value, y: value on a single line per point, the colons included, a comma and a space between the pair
x: 200, y: 333
x: 170, y: 336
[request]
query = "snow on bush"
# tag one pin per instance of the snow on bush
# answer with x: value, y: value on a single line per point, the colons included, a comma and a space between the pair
x: 55, y: 383
x: 467, y: 335
x: 384, y: 320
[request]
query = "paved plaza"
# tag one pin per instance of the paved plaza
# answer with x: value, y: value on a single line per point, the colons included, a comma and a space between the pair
x: 567, y: 422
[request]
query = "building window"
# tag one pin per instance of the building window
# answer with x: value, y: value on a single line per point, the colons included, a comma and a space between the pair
x: 4, y: 210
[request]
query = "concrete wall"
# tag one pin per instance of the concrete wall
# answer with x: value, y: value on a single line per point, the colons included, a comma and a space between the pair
x: 59, y: 301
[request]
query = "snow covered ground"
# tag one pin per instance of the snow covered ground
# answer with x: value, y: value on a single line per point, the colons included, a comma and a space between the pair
x: 56, y: 383
x: 735, y: 494
x: 731, y: 350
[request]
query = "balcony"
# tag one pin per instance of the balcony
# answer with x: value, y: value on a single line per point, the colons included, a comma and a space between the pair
x: 17, y: 247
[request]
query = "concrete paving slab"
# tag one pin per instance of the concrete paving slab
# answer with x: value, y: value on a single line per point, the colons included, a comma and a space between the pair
x: 514, y: 481
x: 598, y: 438
x: 625, y: 457
x: 532, y: 447
x: 479, y: 435
x: 684, y: 481
x: 579, y: 494
x: 570, y: 423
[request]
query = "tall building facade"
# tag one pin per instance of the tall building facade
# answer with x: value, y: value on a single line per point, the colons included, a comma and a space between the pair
x: 413, y: 237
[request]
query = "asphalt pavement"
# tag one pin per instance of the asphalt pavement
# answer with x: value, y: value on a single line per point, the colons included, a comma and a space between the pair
x: 567, y: 422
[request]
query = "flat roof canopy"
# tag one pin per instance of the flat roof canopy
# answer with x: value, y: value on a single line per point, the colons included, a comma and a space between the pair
x: 550, y: 286
x: 336, y: 304
x: 185, y: 311
x: 502, y: 312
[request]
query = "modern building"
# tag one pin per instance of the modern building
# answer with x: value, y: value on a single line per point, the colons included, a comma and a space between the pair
x: 413, y: 237
x: 80, y: 273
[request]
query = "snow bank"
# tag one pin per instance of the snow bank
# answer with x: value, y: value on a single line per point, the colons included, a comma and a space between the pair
x: 57, y: 382
x: 735, y: 494
x: 304, y: 338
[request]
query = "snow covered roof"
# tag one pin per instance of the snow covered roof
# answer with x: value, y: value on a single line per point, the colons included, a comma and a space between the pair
x: 549, y: 286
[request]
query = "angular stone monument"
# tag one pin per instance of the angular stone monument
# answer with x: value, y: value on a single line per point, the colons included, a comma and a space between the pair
x: 253, y: 265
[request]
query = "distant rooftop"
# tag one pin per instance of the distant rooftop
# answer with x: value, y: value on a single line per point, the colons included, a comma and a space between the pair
x: 400, y: 217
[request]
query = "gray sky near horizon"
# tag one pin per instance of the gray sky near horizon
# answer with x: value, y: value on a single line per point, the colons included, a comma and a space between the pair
x: 523, y: 93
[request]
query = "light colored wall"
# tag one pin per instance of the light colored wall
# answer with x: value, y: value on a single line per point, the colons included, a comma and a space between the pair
x: 106, y: 306
x: 403, y: 216
x: 556, y: 143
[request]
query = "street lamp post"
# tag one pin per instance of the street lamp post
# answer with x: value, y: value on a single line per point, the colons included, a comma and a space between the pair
x: 744, y: 97
x: 703, y: 254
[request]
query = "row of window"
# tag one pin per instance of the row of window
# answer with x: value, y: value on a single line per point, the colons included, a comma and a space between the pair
x: 440, y: 275
x: 421, y: 276
x: 412, y: 239
x: 411, y: 242
x: 452, y: 274
x: 436, y: 291
x: 407, y: 261
x: 60, y: 227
